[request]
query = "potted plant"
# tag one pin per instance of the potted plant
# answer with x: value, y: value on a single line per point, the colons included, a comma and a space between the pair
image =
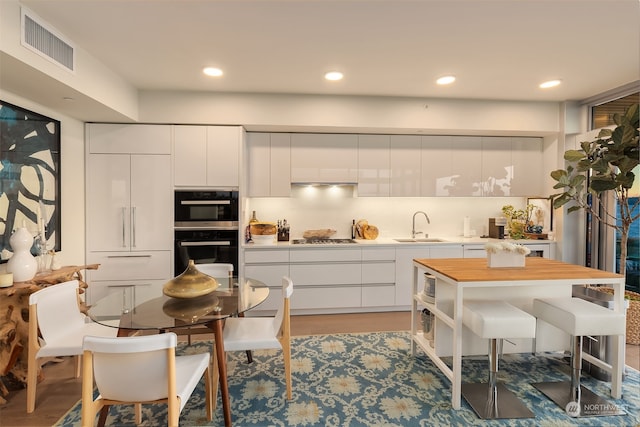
x: 517, y: 220
x: 611, y: 158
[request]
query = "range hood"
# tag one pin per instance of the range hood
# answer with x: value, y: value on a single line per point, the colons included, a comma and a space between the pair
x: 337, y: 189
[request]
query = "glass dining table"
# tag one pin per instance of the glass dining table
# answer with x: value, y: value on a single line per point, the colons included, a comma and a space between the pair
x: 232, y: 298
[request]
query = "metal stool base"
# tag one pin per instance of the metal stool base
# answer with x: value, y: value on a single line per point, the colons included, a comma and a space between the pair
x: 508, y: 405
x: 591, y: 405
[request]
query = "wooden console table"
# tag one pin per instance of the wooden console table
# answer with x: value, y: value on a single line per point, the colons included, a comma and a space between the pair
x: 14, y: 319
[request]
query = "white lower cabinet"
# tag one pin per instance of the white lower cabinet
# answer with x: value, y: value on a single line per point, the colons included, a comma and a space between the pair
x: 353, y: 278
x: 143, y: 272
x: 326, y: 279
x: 378, y: 277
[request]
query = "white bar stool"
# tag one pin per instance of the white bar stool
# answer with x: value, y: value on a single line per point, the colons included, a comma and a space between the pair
x: 496, y: 320
x: 578, y: 318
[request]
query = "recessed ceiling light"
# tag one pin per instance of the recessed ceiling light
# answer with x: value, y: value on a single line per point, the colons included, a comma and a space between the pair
x: 550, y: 83
x: 445, y: 80
x: 333, y: 75
x: 213, y: 72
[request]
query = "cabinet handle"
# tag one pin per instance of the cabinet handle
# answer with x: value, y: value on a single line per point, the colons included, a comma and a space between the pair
x: 124, y: 212
x: 205, y: 202
x: 214, y: 243
x: 133, y: 226
x: 129, y: 256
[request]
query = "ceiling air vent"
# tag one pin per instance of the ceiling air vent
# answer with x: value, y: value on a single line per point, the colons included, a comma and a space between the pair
x: 40, y: 38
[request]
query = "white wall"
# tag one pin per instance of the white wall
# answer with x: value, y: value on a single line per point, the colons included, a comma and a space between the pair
x: 72, y: 180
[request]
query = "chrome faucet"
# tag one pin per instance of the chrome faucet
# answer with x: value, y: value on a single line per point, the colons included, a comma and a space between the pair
x: 413, y: 227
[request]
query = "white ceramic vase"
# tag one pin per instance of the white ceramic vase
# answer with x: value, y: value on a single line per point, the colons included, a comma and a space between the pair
x: 22, y: 264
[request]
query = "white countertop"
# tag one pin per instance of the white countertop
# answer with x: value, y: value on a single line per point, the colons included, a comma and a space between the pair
x: 389, y: 241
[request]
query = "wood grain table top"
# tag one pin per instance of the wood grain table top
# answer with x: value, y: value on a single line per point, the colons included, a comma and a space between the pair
x: 536, y: 268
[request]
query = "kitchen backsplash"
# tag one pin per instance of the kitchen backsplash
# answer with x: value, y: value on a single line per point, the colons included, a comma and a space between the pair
x: 336, y: 207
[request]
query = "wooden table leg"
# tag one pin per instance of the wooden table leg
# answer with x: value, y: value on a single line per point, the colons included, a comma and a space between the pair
x: 222, y: 370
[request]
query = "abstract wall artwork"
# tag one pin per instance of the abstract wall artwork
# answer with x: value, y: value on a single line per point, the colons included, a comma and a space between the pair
x: 29, y: 175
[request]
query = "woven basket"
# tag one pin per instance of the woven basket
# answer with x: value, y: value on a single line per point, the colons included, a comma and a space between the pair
x: 633, y: 314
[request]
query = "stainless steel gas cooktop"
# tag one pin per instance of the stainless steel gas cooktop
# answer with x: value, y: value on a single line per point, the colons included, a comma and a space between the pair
x: 321, y: 241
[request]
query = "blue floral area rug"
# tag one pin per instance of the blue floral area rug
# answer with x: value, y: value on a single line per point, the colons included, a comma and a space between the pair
x: 372, y: 380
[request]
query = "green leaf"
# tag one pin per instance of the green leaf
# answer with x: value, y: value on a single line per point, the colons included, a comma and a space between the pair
x: 600, y: 185
x: 577, y: 180
x: 573, y: 209
x: 558, y: 174
x: 574, y: 155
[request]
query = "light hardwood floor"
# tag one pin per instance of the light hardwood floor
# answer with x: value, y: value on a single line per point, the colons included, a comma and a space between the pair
x: 59, y: 391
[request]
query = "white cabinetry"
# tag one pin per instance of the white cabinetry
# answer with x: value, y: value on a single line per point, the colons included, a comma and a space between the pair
x: 268, y: 266
x: 405, y: 164
x: 326, y: 278
x: 378, y: 277
x: 466, y: 170
x: 207, y: 156
x: 324, y: 158
x: 497, y: 168
x: 527, y: 160
x: 129, y: 218
x: 373, y: 165
x: 269, y: 164
x: 436, y: 165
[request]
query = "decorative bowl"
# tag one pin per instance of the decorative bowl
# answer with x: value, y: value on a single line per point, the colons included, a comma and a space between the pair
x: 190, y: 284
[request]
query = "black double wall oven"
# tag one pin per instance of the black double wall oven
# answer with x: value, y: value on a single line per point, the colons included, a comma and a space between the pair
x: 205, y: 228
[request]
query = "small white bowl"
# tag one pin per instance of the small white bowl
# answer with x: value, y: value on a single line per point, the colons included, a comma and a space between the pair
x: 264, y: 239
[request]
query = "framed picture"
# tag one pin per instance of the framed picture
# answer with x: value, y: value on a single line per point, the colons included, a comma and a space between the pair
x: 542, y: 213
x: 29, y: 175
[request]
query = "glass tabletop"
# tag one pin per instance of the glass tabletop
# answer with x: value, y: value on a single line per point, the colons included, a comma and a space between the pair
x: 231, y: 298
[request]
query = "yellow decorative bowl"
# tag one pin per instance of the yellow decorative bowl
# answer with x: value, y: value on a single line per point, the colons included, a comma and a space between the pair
x: 190, y: 284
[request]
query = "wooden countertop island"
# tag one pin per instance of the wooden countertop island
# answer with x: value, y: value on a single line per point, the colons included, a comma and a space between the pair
x: 457, y: 279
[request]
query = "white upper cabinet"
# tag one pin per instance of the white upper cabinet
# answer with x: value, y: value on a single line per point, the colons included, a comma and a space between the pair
x: 528, y: 166
x: 207, y: 156
x: 374, y: 165
x: 405, y: 164
x: 437, y: 165
x: 129, y: 139
x: 466, y: 171
x: 497, y: 167
x: 129, y: 196
x: 324, y: 158
x: 269, y: 164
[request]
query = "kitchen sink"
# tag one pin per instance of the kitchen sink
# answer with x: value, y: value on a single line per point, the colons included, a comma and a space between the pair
x: 423, y: 240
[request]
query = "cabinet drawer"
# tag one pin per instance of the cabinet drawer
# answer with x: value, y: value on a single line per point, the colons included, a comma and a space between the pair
x: 258, y: 256
x: 326, y: 297
x: 270, y: 275
x: 379, y: 272
x: 378, y: 296
x: 386, y: 254
x: 319, y: 255
x: 325, y: 274
x: 130, y: 265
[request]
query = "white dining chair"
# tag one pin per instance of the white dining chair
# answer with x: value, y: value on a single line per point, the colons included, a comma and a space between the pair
x: 260, y: 333
x: 56, y: 328
x: 216, y: 269
x: 138, y: 370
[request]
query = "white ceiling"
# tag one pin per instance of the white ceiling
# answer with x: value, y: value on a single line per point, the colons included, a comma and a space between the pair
x: 500, y: 49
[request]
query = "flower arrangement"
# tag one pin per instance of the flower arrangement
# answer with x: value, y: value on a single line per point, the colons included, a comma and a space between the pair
x: 505, y: 254
x: 493, y: 248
